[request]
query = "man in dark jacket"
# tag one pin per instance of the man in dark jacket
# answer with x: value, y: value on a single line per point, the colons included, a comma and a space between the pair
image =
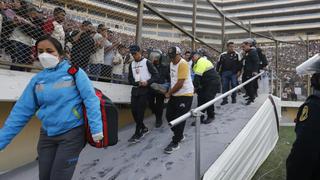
x: 229, y: 67
x: 83, y: 45
x: 142, y: 73
x: 156, y: 101
x: 250, y: 69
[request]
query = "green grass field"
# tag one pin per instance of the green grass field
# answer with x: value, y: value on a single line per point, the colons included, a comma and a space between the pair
x: 274, y: 168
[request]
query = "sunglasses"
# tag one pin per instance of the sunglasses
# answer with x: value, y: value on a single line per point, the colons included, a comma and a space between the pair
x: 133, y: 53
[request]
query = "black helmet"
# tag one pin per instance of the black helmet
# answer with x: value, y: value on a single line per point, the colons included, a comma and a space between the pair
x: 254, y: 42
x: 155, y: 54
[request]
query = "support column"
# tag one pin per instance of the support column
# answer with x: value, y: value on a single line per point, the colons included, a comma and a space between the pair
x: 139, y: 23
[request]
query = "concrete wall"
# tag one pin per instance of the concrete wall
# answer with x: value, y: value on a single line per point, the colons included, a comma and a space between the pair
x: 23, y: 148
x: 289, y: 112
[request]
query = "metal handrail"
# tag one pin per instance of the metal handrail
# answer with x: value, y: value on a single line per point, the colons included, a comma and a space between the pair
x: 206, y: 105
x: 196, y: 114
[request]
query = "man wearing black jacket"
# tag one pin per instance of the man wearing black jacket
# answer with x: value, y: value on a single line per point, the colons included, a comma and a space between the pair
x: 251, y: 68
x: 229, y: 67
x: 83, y: 45
x: 156, y: 100
x: 141, y: 74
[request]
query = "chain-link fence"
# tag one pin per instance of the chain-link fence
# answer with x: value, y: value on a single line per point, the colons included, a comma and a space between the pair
x: 96, y: 34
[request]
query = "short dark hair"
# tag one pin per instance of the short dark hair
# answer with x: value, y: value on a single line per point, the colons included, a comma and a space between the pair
x: 58, y: 10
x: 187, y: 52
x: 54, y: 42
x: 86, y: 23
x: 230, y: 42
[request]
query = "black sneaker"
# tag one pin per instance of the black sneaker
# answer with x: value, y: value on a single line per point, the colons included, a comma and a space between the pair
x: 135, y: 138
x: 207, y: 121
x: 224, y: 103
x: 158, y: 122
x: 144, y: 131
x: 234, y: 101
x: 249, y: 102
x: 171, y: 147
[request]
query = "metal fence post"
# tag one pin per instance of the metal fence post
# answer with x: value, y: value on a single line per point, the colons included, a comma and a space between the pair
x: 139, y: 23
x: 223, y: 33
x: 194, y: 24
x: 197, y: 117
x: 277, y: 68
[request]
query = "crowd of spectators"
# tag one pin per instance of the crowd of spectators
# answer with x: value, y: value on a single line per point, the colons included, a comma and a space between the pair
x: 22, y: 24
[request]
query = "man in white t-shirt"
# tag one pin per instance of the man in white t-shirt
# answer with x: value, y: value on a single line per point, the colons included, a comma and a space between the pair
x: 180, y: 94
x: 109, y: 53
x: 118, y: 60
x: 97, y: 59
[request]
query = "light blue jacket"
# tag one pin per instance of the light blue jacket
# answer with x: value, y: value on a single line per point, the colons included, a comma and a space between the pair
x: 57, y: 102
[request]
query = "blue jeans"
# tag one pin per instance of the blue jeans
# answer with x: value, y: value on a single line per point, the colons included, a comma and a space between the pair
x: 227, y: 78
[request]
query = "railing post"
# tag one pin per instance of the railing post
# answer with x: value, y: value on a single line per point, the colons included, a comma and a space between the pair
x: 194, y: 24
x: 223, y: 33
x: 197, y: 118
x: 277, y: 68
x: 139, y: 22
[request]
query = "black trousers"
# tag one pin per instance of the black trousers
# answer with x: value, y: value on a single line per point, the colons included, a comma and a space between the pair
x: 206, y: 94
x: 138, y: 106
x: 250, y: 87
x: 156, y: 104
x: 303, y: 163
x: 58, y: 155
x: 177, y: 106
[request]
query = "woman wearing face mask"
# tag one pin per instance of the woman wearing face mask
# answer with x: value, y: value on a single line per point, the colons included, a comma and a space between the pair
x: 57, y: 101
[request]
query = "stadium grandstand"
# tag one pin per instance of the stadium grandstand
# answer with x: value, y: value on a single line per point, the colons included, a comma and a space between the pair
x: 288, y: 32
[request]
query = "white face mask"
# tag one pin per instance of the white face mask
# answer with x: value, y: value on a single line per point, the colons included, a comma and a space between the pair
x: 48, y: 60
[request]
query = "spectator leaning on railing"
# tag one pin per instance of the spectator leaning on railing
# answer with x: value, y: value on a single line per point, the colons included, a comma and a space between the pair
x: 97, y: 59
x: 54, y: 27
x: 118, y: 60
x: 83, y: 45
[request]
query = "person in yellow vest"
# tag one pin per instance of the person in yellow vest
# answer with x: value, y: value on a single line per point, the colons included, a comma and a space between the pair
x: 206, y: 83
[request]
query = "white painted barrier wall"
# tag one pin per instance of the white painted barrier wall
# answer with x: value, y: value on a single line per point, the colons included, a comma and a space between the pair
x: 250, y: 148
x: 12, y: 84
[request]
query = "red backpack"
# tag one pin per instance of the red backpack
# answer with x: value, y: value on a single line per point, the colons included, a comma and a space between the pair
x: 109, y: 116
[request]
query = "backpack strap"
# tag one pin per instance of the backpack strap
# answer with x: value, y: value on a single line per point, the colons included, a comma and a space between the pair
x: 73, y: 70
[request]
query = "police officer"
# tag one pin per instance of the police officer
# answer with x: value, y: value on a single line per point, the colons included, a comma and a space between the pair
x: 250, y: 68
x: 304, y: 159
x: 206, y: 83
x: 229, y: 67
x: 263, y: 63
x: 142, y: 73
x: 156, y: 101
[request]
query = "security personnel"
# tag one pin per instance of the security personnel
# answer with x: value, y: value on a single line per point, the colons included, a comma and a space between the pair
x: 250, y: 68
x: 263, y: 63
x: 142, y: 73
x: 156, y: 99
x: 206, y: 83
x: 304, y: 159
